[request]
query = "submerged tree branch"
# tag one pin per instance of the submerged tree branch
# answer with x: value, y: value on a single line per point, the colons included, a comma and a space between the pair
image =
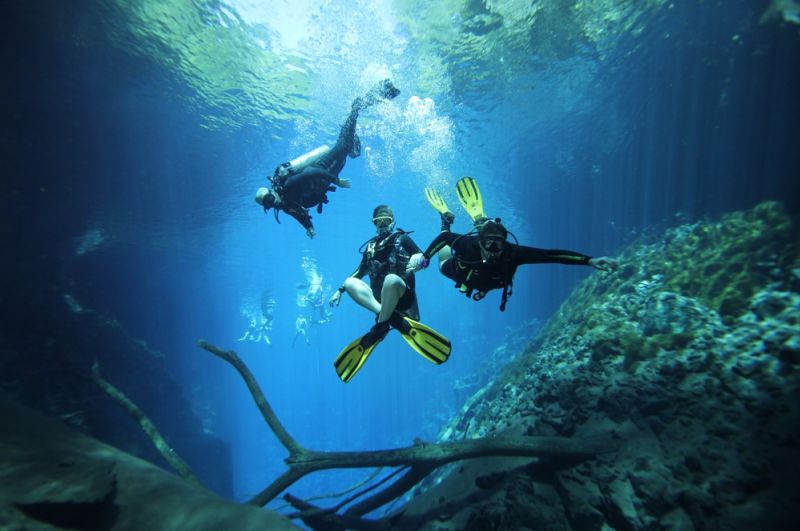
x: 261, y: 402
x: 161, y: 444
x: 413, y: 476
x: 350, y: 489
x: 433, y: 455
x: 331, y: 521
x: 422, y: 458
x: 335, y: 508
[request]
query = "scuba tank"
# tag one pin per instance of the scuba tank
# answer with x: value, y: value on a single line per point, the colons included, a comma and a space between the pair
x: 303, y: 161
x: 296, y: 165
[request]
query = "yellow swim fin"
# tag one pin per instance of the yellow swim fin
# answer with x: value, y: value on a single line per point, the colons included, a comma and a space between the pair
x: 436, y: 201
x: 429, y: 343
x: 470, y: 198
x: 353, y: 356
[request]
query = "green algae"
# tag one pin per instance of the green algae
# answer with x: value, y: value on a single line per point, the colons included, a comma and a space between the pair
x: 710, y: 267
x: 724, y: 264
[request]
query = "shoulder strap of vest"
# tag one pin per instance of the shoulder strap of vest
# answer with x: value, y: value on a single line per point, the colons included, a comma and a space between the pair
x: 390, y: 240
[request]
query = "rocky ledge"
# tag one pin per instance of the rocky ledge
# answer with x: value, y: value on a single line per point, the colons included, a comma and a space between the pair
x: 687, y: 358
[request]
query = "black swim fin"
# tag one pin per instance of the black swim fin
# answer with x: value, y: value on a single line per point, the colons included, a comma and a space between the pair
x: 383, y: 90
x: 429, y: 343
x: 387, y: 90
x: 353, y: 356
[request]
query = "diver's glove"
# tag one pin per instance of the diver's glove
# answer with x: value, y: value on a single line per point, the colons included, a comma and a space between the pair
x: 603, y: 263
x: 417, y: 262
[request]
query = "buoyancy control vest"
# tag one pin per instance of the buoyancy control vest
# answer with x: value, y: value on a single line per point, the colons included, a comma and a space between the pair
x: 385, y: 254
x: 476, y: 279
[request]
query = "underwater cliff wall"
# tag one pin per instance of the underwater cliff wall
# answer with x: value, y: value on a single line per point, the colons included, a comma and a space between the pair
x: 686, y: 360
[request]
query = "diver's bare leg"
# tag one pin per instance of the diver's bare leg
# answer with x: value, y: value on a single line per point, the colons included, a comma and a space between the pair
x: 360, y: 292
x: 393, y: 288
x: 444, y: 255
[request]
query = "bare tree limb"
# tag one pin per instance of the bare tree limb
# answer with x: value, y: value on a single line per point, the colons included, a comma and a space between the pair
x: 335, y: 508
x: 261, y: 402
x: 430, y: 454
x: 422, y: 458
x: 348, y: 490
x: 334, y: 522
x: 161, y: 444
x: 413, y: 476
x: 283, y: 482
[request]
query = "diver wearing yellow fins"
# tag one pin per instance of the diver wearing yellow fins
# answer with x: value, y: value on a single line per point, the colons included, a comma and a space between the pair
x: 304, y: 182
x: 390, y: 294
x: 483, y: 259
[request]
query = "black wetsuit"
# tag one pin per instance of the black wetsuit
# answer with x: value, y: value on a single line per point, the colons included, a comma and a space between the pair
x: 389, y: 253
x: 475, y: 277
x: 310, y: 186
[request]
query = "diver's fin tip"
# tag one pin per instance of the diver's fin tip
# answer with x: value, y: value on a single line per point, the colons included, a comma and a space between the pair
x: 387, y: 90
x: 424, y: 340
x: 353, y: 356
x: 469, y: 195
x: 436, y: 201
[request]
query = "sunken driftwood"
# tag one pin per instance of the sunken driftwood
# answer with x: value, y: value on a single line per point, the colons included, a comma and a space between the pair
x: 161, y: 444
x: 422, y: 458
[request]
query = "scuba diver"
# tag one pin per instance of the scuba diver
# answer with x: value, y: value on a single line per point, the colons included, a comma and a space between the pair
x: 319, y: 313
x: 265, y: 329
x: 311, y: 294
x: 311, y: 301
x: 252, y: 331
x: 300, y: 330
x: 256, y: 332
x: 305, y: 181
x: 483, y: 259
x: 390, y: 294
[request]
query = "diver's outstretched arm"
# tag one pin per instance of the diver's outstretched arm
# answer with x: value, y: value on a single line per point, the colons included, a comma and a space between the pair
x: 444, y: 239
x: 302, y: 215
x: 533, y: 255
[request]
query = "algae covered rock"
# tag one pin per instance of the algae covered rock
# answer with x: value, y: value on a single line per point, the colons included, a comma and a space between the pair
x: 688, y: 357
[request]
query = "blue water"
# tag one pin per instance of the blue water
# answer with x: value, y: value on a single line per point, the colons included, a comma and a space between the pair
x: 583, y: 148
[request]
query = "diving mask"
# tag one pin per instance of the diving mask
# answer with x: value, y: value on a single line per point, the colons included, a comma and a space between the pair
x: 492, y: 246
x: 383, y: 222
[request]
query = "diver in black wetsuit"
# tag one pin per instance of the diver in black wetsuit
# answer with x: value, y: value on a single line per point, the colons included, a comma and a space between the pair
x: 390, y: 294
x: 483, y: 260
x: 384, y: 258
x: 295, y: 190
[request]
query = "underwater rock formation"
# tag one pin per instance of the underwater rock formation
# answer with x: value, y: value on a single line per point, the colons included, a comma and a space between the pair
x: 689, y: 356
x: 52, y: 477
